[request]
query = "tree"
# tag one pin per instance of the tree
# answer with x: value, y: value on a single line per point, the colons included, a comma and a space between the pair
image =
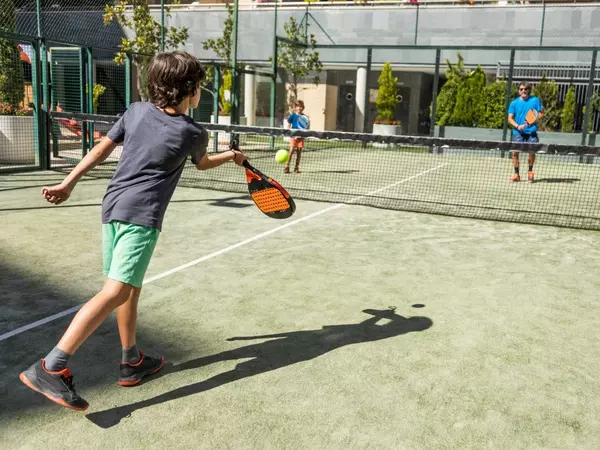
x: 469, y: 108
x: 446, y: 101
x: 147, y: 41
x: 495, y: 95
x: 594, y: 106
x: 547, y: 92
x: 12, y: 82
x: 568, y: 111
x: 298, y: 61
x: 387, y: 96
x: 97, y: 91
x: 222, y: 48
x: 225, y: 87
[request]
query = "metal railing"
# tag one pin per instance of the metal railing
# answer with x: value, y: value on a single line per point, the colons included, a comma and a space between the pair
x: 270, y: 4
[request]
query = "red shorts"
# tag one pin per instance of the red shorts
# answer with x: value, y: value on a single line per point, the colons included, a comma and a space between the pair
x: 297, y: 143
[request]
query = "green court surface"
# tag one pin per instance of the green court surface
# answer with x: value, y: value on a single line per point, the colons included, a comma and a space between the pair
x: 345, y: 326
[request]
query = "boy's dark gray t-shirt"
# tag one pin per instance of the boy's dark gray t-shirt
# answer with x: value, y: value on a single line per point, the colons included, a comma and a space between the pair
x: 156, y: 146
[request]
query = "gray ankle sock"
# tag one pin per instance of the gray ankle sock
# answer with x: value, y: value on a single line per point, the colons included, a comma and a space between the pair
x: 56, y: 360
x: 131, y: 355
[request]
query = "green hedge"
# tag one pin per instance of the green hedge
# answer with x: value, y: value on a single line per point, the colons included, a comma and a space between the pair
x: 12, y: 82
x: 468, y: 99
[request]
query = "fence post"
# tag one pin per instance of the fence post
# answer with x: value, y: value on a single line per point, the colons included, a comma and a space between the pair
x: 273, y: 99
x: 436, y: 83
x: 543, y: 22
x: 82, y: 99
x: 46, y: 97
x: 235, y: 109
x: 41, y: 155
x: 417, y: 24
x: 128, y: 80
x: 508, y: 93
x: 588, y: 97
x: 216, y: 86
x: 90, y: 95
x: 366, y: 113
x: 162, y: 25
x: 38, y: 14
x: 274, y: 70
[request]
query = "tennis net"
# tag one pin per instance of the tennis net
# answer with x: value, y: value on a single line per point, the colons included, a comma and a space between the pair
x: 457, y: 177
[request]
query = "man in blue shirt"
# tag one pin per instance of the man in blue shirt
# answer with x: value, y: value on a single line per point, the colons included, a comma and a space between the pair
x: 522, y: 132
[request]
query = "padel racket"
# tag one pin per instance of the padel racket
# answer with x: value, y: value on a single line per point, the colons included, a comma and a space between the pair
x: 531, y: 117
x: 268, y: 195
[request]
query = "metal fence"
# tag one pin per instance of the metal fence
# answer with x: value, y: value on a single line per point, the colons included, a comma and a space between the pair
x: 71, y: 60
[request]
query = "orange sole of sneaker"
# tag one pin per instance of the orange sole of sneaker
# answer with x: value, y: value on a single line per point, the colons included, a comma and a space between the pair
x: 58, y: 401
x: 134, y: 382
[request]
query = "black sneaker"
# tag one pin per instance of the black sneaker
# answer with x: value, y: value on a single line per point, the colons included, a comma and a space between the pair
x: 57, y: 386
x: 132, y: 374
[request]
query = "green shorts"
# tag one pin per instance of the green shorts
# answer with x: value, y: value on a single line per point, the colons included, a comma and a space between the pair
x: 127, y: 249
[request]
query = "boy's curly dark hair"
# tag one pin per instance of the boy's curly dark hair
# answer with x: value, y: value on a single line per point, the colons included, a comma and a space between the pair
x: 172, y: 76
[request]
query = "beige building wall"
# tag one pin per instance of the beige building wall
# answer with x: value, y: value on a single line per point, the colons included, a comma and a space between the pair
x: 314, y: 98
x: 331, y: 105
x: 320, y: 104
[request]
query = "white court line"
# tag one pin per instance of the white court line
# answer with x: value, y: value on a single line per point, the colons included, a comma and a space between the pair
x: 217, y: 253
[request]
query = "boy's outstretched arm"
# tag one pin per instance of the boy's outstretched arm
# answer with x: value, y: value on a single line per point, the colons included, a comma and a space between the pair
x: 212, y: 161
x: 61, y: 192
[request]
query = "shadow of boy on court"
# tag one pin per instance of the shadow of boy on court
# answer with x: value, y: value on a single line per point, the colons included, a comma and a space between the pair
x: 282, y: 350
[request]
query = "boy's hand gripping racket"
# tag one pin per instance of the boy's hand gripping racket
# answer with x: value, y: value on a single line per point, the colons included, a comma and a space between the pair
x: 268, y: 195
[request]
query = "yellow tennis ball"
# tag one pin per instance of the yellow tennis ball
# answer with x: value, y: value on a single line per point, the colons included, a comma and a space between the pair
x: 282, y: 156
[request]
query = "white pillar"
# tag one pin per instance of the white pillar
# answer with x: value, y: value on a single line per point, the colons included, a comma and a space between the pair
x: 250, y: 97
x: 359, y: 98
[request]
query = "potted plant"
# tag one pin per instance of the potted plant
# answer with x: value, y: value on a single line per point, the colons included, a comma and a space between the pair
x: 17, y: 141
x: 224, y: 100
x: 387, y: 100
x: 17, y: 137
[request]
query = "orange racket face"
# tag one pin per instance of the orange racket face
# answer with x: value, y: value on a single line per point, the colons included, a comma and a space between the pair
x: 270, y: 200
x: 531, y: 117
x: 269, y: 196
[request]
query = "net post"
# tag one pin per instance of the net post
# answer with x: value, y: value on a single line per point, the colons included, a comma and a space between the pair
x: 508, y: 92
x: 436, y: 82
x: 216, y: 85
x: 82, y: 98
x: 588, y: 97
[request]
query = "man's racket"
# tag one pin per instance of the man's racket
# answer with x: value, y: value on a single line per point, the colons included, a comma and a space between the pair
x: 268, y: 195
x: 531, y: 117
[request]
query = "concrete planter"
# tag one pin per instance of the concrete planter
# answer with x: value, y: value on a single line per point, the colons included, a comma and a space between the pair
x: 553, y: 137
x: 490, y: 134
x: 479, y: 134
x: 386, y: 130
x: 17, y: 140
x: 494, y: 134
